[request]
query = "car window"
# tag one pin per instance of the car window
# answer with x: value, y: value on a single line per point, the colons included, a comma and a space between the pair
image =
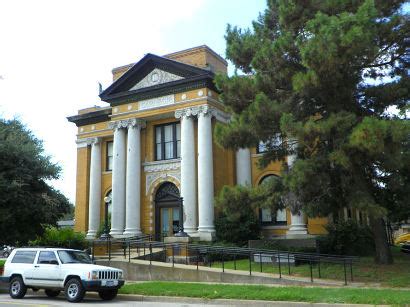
x: 70, y: 256
x: 24, y: 257
x: 47, y: 257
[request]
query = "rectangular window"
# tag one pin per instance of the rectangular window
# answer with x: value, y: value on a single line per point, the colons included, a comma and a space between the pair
x: 47, y: 257
x: 266, y: 215
x: 168, y: 141
x: 24, y: 257
x: 110, y: 155
x: 267, y: 218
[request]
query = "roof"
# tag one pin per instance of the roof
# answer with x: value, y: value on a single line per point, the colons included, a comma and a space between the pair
x: 45, y: 248
x: 193, y: 49
x: 120, y: 92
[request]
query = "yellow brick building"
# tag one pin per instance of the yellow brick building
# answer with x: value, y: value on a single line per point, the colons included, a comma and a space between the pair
x: 154, y: 140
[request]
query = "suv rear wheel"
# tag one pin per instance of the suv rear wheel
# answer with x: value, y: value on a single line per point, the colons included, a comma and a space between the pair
x: 17, y: 288
x: 52, y: 293
x: 108, y: 295
x: 74, y: 290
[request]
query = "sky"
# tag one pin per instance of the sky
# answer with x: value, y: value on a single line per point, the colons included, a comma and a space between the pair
x: 53, y: 53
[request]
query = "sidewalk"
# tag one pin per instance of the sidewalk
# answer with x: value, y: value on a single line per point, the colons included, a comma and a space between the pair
x: 232, y: 302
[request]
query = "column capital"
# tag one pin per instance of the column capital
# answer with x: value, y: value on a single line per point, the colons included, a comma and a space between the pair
x: 88, y: 141
x: 93, y: 141
x: 127, y: 123
x: 205, y: 110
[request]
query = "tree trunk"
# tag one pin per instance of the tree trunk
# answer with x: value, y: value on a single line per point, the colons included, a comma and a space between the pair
x: 383, y: 253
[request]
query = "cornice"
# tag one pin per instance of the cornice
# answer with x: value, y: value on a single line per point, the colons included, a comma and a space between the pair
x: 90, y: 118
x: 161, y: 90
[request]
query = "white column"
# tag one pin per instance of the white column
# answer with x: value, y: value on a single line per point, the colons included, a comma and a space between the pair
x: 188, y: 182
x: 94, y: 202
x: 298, y: 220
x: 133, y: 180
x: 243, y: 167
x: 118, y: 182
x: 298, y: 224
x: 206, y: 227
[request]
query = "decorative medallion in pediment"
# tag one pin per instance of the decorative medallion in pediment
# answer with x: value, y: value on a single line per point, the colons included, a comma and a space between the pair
x: 155, y: 77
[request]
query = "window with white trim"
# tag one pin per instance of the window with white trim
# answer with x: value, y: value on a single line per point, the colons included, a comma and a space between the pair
x: 168, y: 141
x: 110, y: 155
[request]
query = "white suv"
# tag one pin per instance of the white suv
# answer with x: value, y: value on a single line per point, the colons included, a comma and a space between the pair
x: 57, y: 269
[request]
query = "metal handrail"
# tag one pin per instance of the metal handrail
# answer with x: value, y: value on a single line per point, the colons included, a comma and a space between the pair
x: 145, y: 243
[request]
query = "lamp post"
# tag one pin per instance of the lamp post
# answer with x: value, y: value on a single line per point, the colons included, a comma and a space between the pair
x: 106, y: 232
x: 181, y: 232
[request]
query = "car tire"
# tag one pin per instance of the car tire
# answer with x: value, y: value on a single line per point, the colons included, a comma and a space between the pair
x: 6, y: 254
x: 108, y: 295
x: 52, y: 293
x: 74, y: 290
x: 17, y: 288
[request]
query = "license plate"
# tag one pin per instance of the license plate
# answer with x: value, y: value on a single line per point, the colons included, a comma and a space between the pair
x: 109, y: 283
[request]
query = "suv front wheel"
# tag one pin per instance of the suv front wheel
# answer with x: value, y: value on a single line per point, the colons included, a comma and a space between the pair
x: 17, y: 288
x: 74, y: 290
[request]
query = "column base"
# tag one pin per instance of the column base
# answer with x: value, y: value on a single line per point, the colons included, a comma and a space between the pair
x: 117, y: 233
x: 132, y: 232
x: 91, y: 234
x: 191, y: 230
x: 297, y: 230
x: 206, y: 235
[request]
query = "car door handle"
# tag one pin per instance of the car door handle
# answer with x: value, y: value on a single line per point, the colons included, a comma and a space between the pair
x: 36, y: 266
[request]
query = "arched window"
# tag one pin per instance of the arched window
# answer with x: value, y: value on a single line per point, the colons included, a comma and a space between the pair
x: 265, y: 214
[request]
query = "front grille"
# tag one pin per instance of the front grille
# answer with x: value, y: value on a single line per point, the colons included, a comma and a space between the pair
x: 107, y: 274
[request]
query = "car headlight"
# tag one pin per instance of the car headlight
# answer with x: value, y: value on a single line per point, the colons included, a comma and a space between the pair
x: 94, y: 275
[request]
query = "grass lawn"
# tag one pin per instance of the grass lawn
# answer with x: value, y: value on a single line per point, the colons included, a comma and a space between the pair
x: 299, y: 294
x: 396, y: 275
x: 2, y: 262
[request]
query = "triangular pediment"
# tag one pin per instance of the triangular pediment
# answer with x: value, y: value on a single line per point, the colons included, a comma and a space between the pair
x: 156, y: 77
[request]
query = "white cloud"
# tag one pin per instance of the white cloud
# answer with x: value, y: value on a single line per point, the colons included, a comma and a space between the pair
x: 53, y: 53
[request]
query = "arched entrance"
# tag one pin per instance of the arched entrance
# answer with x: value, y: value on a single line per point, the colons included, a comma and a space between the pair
x: 167, y: 210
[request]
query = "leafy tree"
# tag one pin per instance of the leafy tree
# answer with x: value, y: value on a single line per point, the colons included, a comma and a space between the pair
x: 65, y: 237
x: 26, y: 201
x: 325, y: 75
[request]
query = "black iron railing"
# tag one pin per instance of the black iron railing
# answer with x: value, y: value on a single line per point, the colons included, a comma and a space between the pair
x: 142, y: 247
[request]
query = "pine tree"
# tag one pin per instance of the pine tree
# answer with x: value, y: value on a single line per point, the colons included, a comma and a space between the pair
x: 332, y: 77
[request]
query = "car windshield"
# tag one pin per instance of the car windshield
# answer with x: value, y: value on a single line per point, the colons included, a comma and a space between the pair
x: 69, y: 256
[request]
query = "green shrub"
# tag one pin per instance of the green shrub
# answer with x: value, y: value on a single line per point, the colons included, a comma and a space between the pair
x: 2, y: 262
x: 236, y: 222
x: 102, y: 226
x: 347, y: 238
x: 64, y: 237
